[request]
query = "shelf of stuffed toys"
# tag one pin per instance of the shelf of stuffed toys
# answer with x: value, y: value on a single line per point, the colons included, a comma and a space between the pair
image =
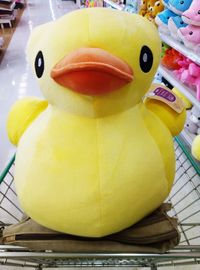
x: 180, y: 47
x: 188, y: 95
x: 185, y: 90
x: 179, y: 27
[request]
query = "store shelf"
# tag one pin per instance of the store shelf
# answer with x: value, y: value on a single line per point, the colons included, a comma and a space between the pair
x: 181, y: 48
x: 190, y: 94
x: 114, y: 5
x: 8, y: 7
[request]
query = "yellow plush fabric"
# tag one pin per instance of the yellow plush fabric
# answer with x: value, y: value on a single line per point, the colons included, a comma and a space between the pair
x: 92, y: 165
x: 173, y: 120
x: 186, y: 101
x: 196, y: 147
x: 22, y: 115
x: 92, y: 176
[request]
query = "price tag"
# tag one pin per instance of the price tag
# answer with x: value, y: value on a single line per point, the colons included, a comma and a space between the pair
x: 166, y: 96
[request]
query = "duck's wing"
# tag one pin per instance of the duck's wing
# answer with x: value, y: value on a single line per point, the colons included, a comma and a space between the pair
x: 22, y: 114
x: 167, y: 106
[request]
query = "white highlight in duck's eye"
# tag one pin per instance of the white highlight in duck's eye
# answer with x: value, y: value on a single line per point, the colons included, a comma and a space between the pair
x: 39, y: 62
x: 145, y: 57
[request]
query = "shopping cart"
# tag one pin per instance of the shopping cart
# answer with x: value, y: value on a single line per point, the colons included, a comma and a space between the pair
x: 185, y: 198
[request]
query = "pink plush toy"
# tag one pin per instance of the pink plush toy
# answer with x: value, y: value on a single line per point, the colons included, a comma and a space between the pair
x: 187, y: 78
x: 190, y: 35
x: 192, y: 15
x: 190, y: 75
x: 194, y: 71
x: 179, y: 72
x: 184, y: 64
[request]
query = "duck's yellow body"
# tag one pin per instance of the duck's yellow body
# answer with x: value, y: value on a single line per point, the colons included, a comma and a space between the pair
x: 94, y: 176
x: 97, y: 159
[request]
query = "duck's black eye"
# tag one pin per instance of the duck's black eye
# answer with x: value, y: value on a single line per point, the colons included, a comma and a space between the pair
x: 181, y: 2
x: 39, y: 64
x: 146, y: 59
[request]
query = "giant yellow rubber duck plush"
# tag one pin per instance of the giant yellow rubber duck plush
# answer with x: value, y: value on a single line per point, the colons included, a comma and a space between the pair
x: 94, y: 159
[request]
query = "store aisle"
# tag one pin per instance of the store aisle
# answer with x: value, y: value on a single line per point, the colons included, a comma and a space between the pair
x: 16, y: 79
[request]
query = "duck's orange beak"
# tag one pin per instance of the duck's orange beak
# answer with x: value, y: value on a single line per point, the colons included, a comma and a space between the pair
x: 92, y: 71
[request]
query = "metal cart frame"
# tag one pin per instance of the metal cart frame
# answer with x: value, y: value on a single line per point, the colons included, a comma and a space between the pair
x: 185, y: 198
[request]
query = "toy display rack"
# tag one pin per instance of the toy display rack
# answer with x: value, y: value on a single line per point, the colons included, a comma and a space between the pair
x: 187, y: 91
x: 185, y: 198
x: 195, y: 57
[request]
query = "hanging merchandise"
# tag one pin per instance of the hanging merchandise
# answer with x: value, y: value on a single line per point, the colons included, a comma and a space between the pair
x: 81, y: 166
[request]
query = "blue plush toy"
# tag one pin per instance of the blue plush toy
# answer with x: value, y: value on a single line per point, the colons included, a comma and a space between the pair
x: 162, y: 20
x: 131, y: 6
x: 179, y: 6
x: 174, y: 23
x: 166, y: 3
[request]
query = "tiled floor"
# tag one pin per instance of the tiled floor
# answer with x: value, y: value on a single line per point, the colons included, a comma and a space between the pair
x: 16, y: 80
